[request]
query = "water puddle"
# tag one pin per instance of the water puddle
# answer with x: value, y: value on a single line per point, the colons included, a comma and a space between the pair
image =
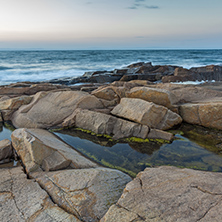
x: 195, y: 147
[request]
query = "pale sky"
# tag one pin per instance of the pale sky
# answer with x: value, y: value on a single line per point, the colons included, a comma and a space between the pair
x: 110, y: 24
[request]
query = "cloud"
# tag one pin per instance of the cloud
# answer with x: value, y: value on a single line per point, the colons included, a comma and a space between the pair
x: 138, y: 5
x: 151, y: 6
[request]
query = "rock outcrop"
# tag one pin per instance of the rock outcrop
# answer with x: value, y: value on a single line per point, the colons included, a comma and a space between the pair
x: 158, y: 96
x: 85, y: 193
x: 23, y: 200
x: 5, y: 150
x: 169, y: 194
x: 49, y: 109
x: 204, y: 114
x: 40, y: 150
x: 150, y: 114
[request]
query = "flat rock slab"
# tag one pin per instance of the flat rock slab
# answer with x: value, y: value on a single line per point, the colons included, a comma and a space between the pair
x: 86, y: 193
x: 41, y: 150
x: 170, y: 194
x: 23, y: 200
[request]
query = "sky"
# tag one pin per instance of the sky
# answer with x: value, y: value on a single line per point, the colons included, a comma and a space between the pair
x: 110, y: 24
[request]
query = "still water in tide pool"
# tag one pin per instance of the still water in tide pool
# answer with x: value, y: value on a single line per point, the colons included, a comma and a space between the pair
x: 196, y: 148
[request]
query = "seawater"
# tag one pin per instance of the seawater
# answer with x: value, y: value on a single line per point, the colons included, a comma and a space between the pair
x: 194, y: 147
x: 18, y: 66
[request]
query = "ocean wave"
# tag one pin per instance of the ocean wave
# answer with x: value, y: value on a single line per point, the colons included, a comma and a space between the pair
x: 4, y: 68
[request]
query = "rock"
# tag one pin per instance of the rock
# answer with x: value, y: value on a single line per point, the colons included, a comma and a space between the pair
x: 7, y: 114
x: 28, y: 88
x: 159, y: 134
x: 157, y: 96
x: 101, y: 123
x: 204, y: 114
x: 40, y: 150
x: 169, y: 194
x: 182, y: 72
x: 49, y: 109
x: 23, y: 200
x: 87, y: 193
x: 182, y: 78
x: 14, y: 103
x: 1, y: 119
x: 5, y: 149
x: 107, y: 93
x: 150, y: 114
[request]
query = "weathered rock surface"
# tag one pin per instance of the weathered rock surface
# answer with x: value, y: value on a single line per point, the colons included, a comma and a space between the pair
x: 155, y: 95
x: 5, y: 149
x: 85, y: 193
x: 23, y: 200
x: 170, y: 194
x: 49, y: 109
x: 204, y: 114
x: 143, y: 112
x: 40, y: 150
x: 101, y: 123
x: 14, y: 103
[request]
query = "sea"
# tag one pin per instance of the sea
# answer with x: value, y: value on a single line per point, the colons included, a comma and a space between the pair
x: 43, y: 65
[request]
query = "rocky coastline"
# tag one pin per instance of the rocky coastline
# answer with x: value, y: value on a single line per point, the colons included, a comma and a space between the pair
x: 57, y: 183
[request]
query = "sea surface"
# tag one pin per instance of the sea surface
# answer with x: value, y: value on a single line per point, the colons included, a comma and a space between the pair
x: 18, y: 66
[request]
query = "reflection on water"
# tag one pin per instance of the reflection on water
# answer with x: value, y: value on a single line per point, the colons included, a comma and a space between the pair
x: 5, y: 131
x: 197, y: 148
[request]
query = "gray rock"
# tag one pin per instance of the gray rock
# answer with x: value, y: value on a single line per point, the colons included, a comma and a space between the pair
x: 5, y: 149
x: 23, y: 200
x: 86, y: 193
x: 170, y: 194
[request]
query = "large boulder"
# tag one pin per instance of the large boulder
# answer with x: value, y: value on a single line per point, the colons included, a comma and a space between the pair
x: 101, y: 123
x: 204, y: 114
x: 85, y: 193
x: 146, y: 113
x: 5, y: 149
x: 158, y: 96
x: 169, y: 194
x: 23, y: 200
x: 40, y: 150
x: 49, y: 109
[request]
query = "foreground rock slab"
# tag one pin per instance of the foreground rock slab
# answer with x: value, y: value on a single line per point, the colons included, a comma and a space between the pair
x: 170, y: 194
x: 41, y: 150
x: 5, y: 149
x: 23, y: 200
x: 147, y: 113
x: 86, y: 193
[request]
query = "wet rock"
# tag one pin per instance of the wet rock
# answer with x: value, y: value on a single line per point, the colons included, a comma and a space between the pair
x: 143, y: 112
x: 1, y: 119
x: 49, y: 109
x: 23, y: 200
x: 159, y: 134
x: 40, y: 150
x: 204, y: 114
x: 5, y: 149
x: 138, y: 64
x: 88, y: 193
x: 157, y: 96
x: 169, y: 194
